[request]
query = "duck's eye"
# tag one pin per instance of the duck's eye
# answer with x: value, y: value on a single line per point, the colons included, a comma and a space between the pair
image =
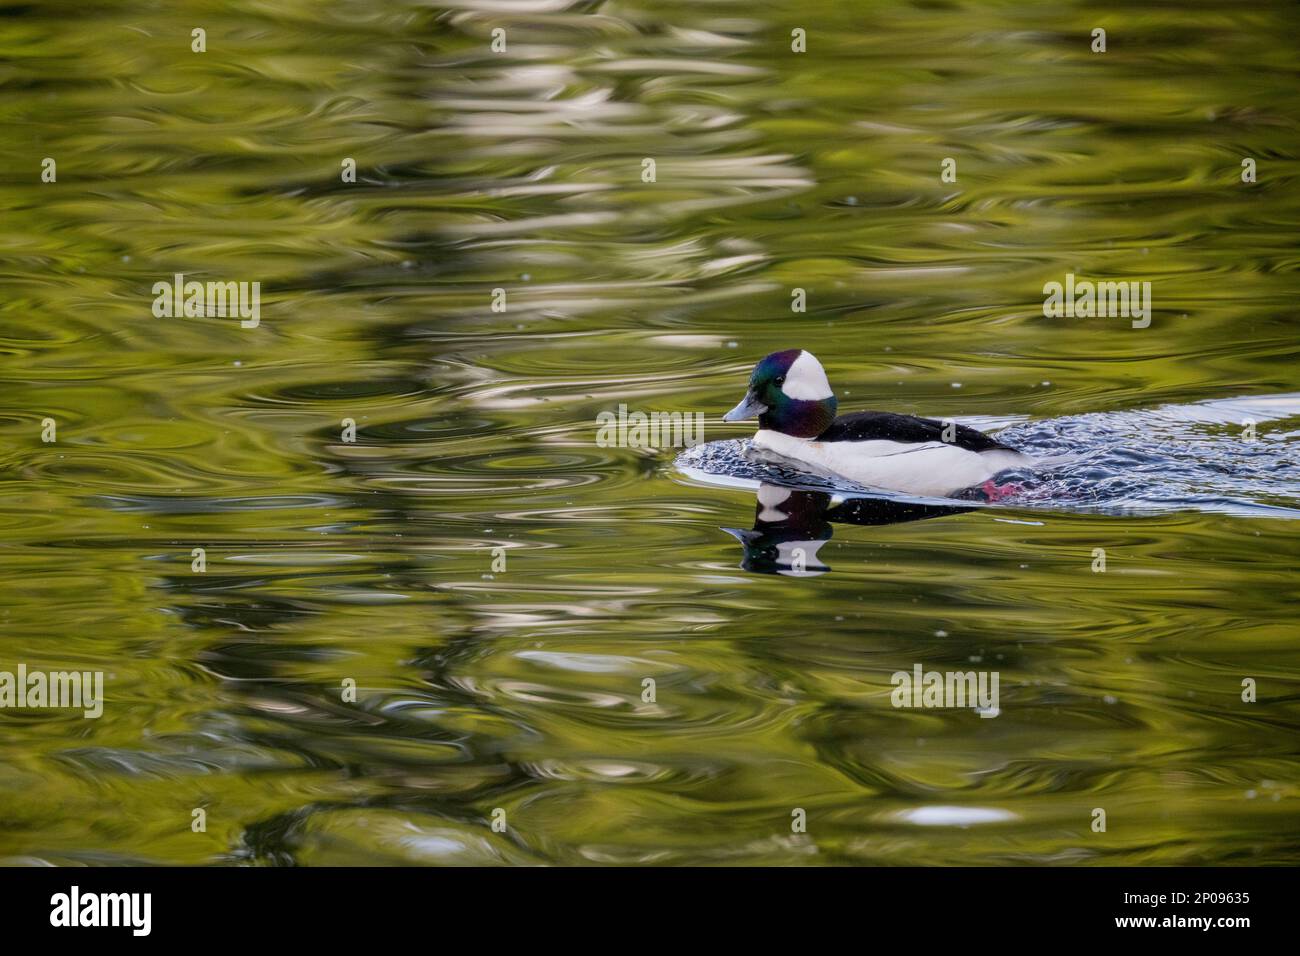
x: 780, y: 381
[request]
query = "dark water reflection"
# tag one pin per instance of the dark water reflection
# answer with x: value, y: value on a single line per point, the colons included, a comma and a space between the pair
x: 791, y: 525
x: 523, y: 688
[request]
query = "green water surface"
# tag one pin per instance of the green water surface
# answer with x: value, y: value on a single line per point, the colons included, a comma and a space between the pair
x: 522, y: 688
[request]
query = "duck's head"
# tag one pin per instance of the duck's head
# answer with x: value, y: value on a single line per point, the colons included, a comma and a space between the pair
x: 788, y: 393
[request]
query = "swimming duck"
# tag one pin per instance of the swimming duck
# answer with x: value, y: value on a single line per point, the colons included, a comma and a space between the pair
x: 795, y: 407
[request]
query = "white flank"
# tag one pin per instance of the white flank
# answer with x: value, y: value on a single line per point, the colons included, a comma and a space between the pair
x: 929, y: 469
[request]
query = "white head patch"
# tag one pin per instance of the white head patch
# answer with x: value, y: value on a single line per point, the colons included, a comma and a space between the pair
x: 806, y: 379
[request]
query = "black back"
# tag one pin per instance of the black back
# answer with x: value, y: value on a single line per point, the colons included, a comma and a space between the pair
x: 890, y: 426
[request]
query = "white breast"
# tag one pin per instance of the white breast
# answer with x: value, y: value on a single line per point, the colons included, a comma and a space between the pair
x: 931, y: 469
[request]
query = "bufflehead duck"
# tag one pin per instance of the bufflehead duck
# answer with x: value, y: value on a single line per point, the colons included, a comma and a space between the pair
x: 795, y: 407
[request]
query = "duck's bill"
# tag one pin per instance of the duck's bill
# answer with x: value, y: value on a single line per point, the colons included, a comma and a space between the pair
x: 749, y: 407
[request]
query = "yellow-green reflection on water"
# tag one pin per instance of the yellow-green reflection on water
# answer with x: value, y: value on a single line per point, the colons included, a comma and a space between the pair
x: 523, y: 689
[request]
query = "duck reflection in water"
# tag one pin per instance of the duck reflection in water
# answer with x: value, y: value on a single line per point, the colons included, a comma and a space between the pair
x: 791, y: 524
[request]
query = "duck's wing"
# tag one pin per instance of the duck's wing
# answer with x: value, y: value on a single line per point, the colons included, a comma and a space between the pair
x: 907, y: 430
